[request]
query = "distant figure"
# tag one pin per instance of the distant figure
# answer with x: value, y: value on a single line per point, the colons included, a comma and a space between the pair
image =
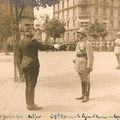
x: 84, y: 63
x: 28, y: 54
x: 117, y: 50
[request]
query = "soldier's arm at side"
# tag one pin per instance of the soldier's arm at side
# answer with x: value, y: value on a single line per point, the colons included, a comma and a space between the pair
x: 90, y: 56
x: 41, y: 46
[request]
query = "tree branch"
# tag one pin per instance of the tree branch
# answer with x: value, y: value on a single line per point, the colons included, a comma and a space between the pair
x: 20, y: 13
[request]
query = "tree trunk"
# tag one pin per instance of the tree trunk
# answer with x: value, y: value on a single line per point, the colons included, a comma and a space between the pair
x: 14, y: 40
x: 5, y: 46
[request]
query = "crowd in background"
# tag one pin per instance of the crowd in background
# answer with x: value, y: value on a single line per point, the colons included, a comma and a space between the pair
x: 104, y: 46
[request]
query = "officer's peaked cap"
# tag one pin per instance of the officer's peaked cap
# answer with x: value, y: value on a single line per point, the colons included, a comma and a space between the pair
x: 28, y: 33
x: 82, y: 30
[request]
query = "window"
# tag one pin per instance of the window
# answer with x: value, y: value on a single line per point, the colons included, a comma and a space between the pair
x: 67, y: 3
x: 111, y: 12
x: 53, y: 7
x: 96, y: 10
x: 68, y: 36
x: 58, y: 6
x: 73, y: 23
x: 105, y: 13
x: 58, y: 15
x: 96, y: 20
x: 62, y: 4
x: 84, y: 9
x: 112, y: 1
x: 73, y: 12
x: 111, y: 23
x: 74, y: 36
x: 67, y: 24
x: 119, y: 13
x: 68, y: 13
x: 62, y: 14
x: 119, y: 24
x: 73, y: 2
x: 96, y: 1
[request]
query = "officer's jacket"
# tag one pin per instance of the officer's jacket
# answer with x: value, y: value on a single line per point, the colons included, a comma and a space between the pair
x: 84, y: 55
x: 28, y: 52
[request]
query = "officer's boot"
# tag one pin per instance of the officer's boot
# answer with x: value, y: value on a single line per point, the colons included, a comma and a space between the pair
x: 32, y: 105
x: 87, y: 92
x: 83, y: 91
x: 32, y: 90
x: 27, y: 96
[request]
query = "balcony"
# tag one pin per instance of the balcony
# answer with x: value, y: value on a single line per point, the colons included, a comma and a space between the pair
x: 83, y: 2
x: 84, y: 15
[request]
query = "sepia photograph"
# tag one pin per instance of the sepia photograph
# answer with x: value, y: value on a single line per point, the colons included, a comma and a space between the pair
x: 59, y: 59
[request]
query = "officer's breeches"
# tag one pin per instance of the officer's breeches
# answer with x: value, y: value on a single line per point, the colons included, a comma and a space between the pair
x: 31, y: 77
x: 84, y: 76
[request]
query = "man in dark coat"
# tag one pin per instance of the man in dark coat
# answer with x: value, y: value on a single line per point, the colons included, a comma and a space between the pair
x: 28, y: 53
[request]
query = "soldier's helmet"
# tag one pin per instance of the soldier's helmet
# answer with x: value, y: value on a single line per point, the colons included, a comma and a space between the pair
x: 83, y: 31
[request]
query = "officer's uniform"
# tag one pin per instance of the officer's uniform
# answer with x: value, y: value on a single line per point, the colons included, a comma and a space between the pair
x: 84, y: 63
x: 28, y: 53
x: 117, y: 50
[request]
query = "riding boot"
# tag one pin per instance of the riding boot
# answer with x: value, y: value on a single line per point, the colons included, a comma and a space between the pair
x: 27, y: 96
x: 32, y: 90
x: 87, y: 92
x: 83, y: 91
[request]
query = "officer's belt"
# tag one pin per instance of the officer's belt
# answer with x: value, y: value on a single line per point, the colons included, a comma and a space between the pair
x: 82, y: 55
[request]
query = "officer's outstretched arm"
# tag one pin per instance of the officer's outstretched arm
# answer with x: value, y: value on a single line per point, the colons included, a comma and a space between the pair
x: 42, y: 46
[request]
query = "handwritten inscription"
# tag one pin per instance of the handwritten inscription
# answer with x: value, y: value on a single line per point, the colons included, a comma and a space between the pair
x: 60, y: 116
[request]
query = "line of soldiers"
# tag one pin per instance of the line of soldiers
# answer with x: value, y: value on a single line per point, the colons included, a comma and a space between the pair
x: 104, y: 46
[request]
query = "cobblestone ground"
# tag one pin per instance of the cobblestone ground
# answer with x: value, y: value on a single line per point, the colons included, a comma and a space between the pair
x: 58, y: 86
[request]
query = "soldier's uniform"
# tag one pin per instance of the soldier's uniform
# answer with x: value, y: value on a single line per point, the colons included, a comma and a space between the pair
x: 28, y: 53
x: 117, y: 50
x: 84, y: 64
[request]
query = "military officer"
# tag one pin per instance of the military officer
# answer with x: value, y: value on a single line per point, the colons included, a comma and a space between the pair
x: 28, y: 53
x: 117, y: 50
x: 84, y: 62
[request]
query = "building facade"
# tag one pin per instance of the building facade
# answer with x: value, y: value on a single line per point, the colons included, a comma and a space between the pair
x: 81, y: 13
x: 27, y: 17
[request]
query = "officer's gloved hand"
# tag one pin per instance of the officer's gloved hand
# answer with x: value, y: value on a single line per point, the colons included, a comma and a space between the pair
x: 57, y: 47
x: 89, y: 70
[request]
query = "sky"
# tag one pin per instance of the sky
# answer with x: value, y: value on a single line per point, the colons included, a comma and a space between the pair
x: 42, y: 11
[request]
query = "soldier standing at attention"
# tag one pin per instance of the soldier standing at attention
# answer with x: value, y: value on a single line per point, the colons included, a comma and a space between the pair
x: 28, y: 53
x: 84, y: 62
x: 117, y: 50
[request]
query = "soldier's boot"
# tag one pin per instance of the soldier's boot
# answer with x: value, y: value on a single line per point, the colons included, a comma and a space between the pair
x: 87, y: 93
x: 83, y: 91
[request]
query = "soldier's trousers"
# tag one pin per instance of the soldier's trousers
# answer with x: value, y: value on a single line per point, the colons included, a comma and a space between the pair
x: 31, y: 80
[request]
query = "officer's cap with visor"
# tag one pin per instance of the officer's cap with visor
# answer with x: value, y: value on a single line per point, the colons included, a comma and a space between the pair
x: 28, y: 33
x: 82, y: 31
